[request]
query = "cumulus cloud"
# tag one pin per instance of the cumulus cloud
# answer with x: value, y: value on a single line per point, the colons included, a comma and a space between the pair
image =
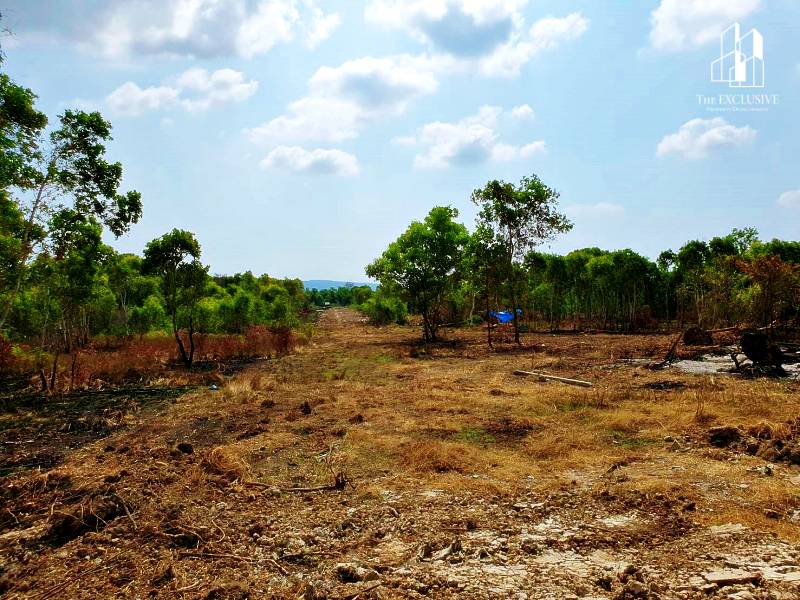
x: 186, y: 28
x: 193, y: 91
x: 699, y: 137
x: 488, y: 35
x: 343, y: 100
x: 599, y: 210
x: 522, y: 112
x: 470, y: 141
x: 682, y: 24
x: 129, y: 100
x: 319, y: 161
x: 459, y: 27
x: 790, y: 199
x: 320, y: 27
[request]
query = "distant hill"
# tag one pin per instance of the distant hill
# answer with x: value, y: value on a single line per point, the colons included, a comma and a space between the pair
x: 326, y: 284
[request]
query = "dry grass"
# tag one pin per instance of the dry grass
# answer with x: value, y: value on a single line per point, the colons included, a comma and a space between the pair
x: 403, y: 424
x: 437, y: 457
x: 226, y: 461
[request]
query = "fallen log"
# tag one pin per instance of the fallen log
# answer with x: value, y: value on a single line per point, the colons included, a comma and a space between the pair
x: 577, y: 382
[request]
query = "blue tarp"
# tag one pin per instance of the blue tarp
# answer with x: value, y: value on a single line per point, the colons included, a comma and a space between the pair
x: 505, y: 316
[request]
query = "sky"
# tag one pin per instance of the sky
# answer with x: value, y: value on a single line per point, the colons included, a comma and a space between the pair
x: 299, y: 138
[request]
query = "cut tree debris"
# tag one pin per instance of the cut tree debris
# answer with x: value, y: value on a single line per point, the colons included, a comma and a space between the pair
x: 542, y: 376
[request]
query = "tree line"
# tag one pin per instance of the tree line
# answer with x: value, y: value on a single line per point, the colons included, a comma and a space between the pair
x: 60, y: 285
x: 447, y: 274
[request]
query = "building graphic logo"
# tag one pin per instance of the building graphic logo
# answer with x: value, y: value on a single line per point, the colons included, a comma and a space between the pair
x: 741, y: 61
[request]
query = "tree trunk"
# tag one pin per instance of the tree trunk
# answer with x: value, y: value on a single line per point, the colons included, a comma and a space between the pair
x: 26, y: 252
x: 72, y: 372
x: 187, y: 363
x: 488, y: 323
x: 191, y: 342
x: 54, y: 373
x: 471, y: 310
x: 514, y: 313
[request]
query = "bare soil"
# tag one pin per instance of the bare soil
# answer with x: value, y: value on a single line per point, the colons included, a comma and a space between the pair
x: 368, y: 464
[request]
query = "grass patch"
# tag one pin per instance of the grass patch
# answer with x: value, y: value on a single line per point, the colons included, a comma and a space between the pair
x: 429, y: 456
x: 475, y: 436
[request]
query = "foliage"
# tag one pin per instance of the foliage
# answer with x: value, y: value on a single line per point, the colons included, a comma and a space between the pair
x: 424, y: 262
x: 175, y: 259
x: 523, y: 217
x: 385, y: 307
x: 73, y: 168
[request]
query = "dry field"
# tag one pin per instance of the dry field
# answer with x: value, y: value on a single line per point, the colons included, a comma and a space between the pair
x: 442, y: 475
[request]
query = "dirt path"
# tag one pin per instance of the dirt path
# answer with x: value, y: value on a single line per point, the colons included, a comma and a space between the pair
x: 465, y: 481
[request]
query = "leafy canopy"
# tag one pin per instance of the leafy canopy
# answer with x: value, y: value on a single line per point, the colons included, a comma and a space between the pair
x: 424, y: 261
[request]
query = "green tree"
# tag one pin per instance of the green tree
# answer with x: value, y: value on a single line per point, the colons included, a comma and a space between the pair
x: 524, y: 216
x: 175, y: 258
x: 484, y: 260
x: 147, y: 317
x: 424, y: 262
x: 21, y: 126
x: 73, y: 168
x: 77, y: 251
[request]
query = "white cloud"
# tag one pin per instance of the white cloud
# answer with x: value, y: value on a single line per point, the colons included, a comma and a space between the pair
x: 472, y: 140
x: 489, y: 35
x: 601, y: 209
x: 166, y: 123
x: 682, y: 24
x: 697, y: 138
x: 545, y: 34
x: 343, y: 100
x: 458, y: 27
x: 522, y: 112
x: 320, y: 28
x: 790, y: 199
x: 271, y: 23
x: 129, y: 100
x: 221, y: 88
x: 319, y: 161
x: 183, y: 28
x: 529, y: 150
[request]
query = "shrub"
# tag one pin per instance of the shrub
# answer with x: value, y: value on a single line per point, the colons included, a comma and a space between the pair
x: 7, y: 358
x: 382, y: 311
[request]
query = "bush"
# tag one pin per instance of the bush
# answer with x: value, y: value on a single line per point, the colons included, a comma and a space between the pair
x: 475, y: 320
x: 382, y: 311
x: 7, y: 358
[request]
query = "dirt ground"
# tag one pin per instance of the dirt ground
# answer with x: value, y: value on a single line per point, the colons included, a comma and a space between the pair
x: 439, y: 474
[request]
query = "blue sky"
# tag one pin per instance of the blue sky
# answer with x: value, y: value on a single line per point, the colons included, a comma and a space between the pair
x: 299, y: 138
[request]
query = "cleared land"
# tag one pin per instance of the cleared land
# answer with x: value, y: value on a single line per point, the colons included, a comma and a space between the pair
x: 460, y: 478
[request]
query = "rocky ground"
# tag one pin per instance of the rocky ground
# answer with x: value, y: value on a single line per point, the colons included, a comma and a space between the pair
x: 368, y: 466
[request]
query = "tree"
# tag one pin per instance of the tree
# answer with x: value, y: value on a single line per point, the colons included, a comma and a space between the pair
x: 175, y: 258
x: 20, y: 130
x: 484, y: 260
x: 424, y: 262
x: 524, y: 216
x: 778, y: 286
x: 744, y: 238
x: 75, y: 168
x: 77, y: 251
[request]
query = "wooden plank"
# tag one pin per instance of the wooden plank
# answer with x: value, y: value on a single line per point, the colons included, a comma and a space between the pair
x: 554, y: 378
